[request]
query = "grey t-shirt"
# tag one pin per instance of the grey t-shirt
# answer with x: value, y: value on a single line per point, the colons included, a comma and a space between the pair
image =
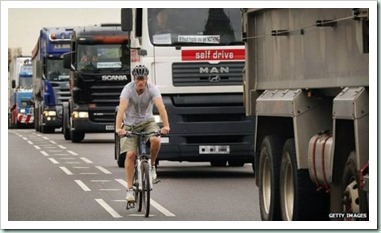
x: 139, y: 106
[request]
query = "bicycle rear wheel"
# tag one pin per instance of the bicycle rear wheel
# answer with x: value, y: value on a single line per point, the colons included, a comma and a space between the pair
x: 145, y: 194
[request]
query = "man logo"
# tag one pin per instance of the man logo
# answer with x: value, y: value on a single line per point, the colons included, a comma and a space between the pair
x: 214, y: 70
x: 114, y: 77
x: 214, y: 79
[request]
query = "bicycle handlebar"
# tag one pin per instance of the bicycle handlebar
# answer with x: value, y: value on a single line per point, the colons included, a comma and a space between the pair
x: 130, y: 134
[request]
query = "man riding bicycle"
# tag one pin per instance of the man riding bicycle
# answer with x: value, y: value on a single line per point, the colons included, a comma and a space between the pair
x: 136, y: 111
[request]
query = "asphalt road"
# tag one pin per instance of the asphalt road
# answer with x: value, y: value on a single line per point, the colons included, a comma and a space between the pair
x: 50, y: 179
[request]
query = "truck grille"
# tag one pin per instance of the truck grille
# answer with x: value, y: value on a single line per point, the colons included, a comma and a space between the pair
x: 206, y: 74
x: 105, y: 98
x: 61, y: 92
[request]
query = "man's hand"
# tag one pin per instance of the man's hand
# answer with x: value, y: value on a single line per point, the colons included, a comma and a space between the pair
x: 165, y: 130
x: 120, y: 132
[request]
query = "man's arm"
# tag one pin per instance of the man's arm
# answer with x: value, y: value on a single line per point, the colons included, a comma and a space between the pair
x: 163, y: 114
x: 123, y: 104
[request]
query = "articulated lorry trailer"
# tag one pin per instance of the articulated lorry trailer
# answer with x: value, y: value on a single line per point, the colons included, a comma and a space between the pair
x: 99, y: 64
x: 307, y: 84
x: 51, y: 79
x: 195, y: 57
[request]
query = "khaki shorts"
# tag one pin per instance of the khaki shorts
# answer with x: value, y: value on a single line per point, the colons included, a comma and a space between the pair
x: 130, y: 143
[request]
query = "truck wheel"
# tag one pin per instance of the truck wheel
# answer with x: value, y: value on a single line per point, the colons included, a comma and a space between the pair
x: 65, y: 122
x: 77, y: 136
x: 269, y: 166
x: 119, y: 157
x: 354, y: 199
x: 299, y: 199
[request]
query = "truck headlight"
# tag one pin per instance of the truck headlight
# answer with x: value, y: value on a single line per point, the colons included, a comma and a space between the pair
x: 77, y: 114
x: 22, y: 110
x: 50, y: 113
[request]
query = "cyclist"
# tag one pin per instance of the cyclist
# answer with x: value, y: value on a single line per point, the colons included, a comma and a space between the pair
x: 135, y: 110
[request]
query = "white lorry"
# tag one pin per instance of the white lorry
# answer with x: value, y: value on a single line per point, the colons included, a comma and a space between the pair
x: 195, y: 57
x: 307, y: 84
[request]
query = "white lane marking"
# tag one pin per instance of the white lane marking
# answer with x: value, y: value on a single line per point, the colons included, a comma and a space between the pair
x: 24, y: 138
x: 122, y: 182
x: 86, y: 160
x: 54, y: 161
x: 44, y: 153
x: 62, y: 147
x: 81, y: 167
x: 45, y: 138
x: 37, y: 147
x: 108, y: 208
x: 53, y: 142
x: 162, y: 209
x: 66, y: 171
x: 104, y: 170
x: 72, y: 152
x: 67, y: 158
x: 153, y: 203
x: 72, y: 162
x: 30, y: 142
x: 82, y: 185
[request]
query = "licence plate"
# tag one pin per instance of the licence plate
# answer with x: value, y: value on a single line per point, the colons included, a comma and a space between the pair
x: 109, y: 127
x: 214, y: 149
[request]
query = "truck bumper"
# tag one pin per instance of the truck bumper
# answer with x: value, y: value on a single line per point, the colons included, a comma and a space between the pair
x: 87, y: 126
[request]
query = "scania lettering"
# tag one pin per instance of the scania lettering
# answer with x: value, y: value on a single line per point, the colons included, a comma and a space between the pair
x: 197, y: 63
x: 51, y: 80
x: 114, y: 77
x: 99, y: 64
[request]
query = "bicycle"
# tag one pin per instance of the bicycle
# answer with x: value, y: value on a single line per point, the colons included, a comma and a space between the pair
x: 142, y: 181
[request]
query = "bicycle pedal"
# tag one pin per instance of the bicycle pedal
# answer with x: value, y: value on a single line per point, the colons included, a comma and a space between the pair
x: 130, y: 205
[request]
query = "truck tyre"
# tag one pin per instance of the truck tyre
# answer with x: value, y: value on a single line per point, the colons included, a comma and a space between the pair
x: 76, y: 136
x: 119, y: 157
x: 299, y: 199
x: 354, y: 199
x: 65, y: 122
x: 268, y: 183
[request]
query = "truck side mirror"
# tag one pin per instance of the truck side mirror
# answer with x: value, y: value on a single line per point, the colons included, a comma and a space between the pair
x: 126, y: 19
x: 13, y: 83
x: 67, y: 60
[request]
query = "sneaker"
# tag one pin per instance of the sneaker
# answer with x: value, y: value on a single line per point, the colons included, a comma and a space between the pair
x: 130, y: 195
x: 153, y: 173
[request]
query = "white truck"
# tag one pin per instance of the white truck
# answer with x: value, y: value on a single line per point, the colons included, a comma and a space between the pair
x: 307, y: 84
x: 195, y: 57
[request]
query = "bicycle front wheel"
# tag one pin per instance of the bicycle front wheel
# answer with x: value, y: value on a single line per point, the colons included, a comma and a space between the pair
x: 145, y: 195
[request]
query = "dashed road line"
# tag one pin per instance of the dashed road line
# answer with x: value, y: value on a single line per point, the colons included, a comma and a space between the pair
x: 44, y: 153
x: 30, y: 142
x: 104, y: 170
x: 82, y: 185
x: 37, y: 147
x: 72, y: 152
x: 53, y: 142
x: 108, y: 208
x: 62, y: 147
x: 86, y: 160
x: 67, y: 171
x: 54, y: 161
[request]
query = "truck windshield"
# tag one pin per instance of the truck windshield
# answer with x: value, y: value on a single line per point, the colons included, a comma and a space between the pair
x: 56, y: 71
x: 176, y: 26
x: 102, y: 56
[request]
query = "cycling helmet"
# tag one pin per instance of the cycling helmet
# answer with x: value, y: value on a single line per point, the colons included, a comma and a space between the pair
x: 139, y: 71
